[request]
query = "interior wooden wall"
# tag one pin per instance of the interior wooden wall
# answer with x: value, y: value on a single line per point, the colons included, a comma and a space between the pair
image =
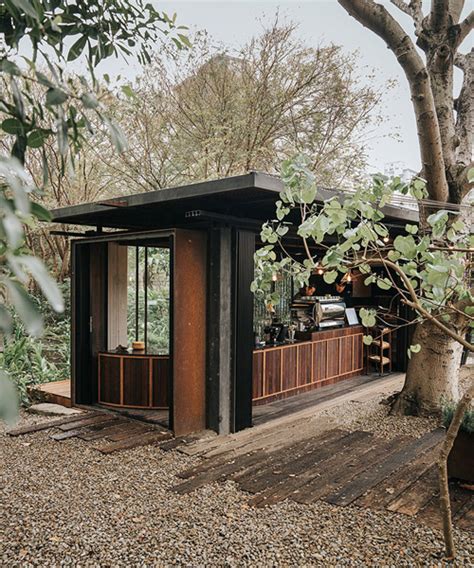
x: 117, y: 295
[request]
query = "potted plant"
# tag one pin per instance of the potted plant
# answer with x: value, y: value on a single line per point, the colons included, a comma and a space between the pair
x: 461, y: 457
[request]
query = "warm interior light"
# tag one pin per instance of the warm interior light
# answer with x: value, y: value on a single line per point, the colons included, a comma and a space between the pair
x: 385, y: 239
x: 274, y: 277
x: 349, y: 277
x: 320, y: 271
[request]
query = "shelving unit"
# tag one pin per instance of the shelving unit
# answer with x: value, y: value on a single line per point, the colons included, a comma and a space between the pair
x: 379, y: 353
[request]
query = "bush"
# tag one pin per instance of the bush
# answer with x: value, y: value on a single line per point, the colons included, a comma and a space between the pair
x: 467, y: 423
x: 30, y: 361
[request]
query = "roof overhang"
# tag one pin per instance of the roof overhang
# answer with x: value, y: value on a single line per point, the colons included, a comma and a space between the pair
x: 246, y: 197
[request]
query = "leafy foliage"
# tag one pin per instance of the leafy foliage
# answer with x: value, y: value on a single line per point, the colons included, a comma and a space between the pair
x: 467, y: 423
x: 36, y: 107
x: 429, y: 268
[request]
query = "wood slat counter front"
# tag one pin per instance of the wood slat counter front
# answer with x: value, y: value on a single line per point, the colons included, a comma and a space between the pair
x: 133, y: 380
x: 330, y: 356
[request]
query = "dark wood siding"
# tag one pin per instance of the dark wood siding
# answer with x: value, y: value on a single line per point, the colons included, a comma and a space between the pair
x: 136, y: 381
x: 331, y: 356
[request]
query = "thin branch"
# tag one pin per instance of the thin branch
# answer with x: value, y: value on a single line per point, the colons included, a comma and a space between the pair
x: 413, y: 9
x: 465, y: 28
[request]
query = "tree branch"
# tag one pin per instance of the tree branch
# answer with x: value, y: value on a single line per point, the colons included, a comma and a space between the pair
x: 375, y: 17
x: 413, y: 9
x: 465, y: 28
x: 465, y: 109
x: 439, y: 14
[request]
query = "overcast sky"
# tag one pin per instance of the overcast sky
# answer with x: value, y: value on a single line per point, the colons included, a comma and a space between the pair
x: 236, y: 21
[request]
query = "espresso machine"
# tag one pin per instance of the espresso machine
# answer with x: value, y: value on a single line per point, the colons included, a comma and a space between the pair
x: 318, y: 312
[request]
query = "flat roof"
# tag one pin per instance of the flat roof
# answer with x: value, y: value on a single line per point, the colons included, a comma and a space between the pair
x: 251, y: 196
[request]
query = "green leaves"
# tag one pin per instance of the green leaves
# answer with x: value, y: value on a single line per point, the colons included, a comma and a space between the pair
x: 55, y: 96
x: 13, y: 126
x: 77, y: 48
x: 330, y: 276
x: 413, y: 349
x: 367, y: 317
x: 37, y: 137
x: 24, y: 306
x: 367, y: 339
x: 406, y: 246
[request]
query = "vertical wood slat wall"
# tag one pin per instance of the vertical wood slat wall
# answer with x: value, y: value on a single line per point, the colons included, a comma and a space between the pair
x: 133, y: 381
x: 286, y: 370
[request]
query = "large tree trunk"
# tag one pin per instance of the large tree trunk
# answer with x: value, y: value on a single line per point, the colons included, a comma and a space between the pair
x: 432, y: 375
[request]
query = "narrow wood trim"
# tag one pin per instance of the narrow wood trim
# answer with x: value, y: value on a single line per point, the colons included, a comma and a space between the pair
x: 281, y: 370
x: 312, y: 363
x: 121, y: 380
x: 150, y: 382
x: 297, y: 364
x: 326, y: 374
x: 98, y: 378
x: 264, y: 370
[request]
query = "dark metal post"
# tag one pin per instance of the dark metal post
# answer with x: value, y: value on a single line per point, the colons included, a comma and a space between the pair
x: 137, y: 291
x: 145, y: 329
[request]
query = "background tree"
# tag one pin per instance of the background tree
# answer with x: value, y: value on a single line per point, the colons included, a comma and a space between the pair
x: 445, y: 126
x: 55, y: 33
x: 211, y: 112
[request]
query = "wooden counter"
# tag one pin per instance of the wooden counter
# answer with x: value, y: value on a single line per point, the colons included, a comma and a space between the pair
x: 133, y: 380
x: 330, y: 356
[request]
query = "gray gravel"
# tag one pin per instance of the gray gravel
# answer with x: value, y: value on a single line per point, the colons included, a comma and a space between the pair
x: 64, y: 504
x: 372, y: 416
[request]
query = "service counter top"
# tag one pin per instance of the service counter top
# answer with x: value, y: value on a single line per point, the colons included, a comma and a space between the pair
x: 325, y: 357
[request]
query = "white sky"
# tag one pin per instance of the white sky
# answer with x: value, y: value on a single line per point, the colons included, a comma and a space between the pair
x: 236, y: 21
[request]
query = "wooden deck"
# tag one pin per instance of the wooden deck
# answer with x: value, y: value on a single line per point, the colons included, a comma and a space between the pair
x: 342, y: 468
x: 57, y: 392
x: 114, y: 432
x: 263, y: 413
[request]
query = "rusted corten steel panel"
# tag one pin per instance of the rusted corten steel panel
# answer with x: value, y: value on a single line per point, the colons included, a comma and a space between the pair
x: 189, y: 331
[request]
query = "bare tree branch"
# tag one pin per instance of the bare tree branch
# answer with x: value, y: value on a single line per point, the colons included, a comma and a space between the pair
x: 413, y: 9
x: 465, y: 28
x: 375, y: 17
x: 465, y: 108
x: 439, y: 14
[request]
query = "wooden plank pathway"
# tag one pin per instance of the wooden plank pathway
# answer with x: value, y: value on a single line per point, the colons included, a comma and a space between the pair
x: 115, y: 431
x: 339, y: 467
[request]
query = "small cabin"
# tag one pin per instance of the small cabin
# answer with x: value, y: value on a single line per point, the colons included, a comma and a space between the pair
x: 169, y: 272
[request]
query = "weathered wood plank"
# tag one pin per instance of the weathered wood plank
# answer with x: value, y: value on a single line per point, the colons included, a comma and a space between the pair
x: 290, y: 464
x: 103, y: 418
x: 288, y: 486
x: 430, y: 514
x: 249, y: 478
x: 465, y: 518
x: 128, y: 430
x: 417, y: 495
x: 134, y: 442
x: 216, y: 474
x: 390, y: 488
x: 98, y: 431
x: 375, y: 475
x: 378, y: 451
x: 47, y: 425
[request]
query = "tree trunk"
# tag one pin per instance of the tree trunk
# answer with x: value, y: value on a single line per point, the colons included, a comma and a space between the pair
x: 432, y: 375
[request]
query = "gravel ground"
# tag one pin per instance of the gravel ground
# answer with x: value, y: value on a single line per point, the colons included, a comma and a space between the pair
x: 64, y: 504
x: 372, y: 416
